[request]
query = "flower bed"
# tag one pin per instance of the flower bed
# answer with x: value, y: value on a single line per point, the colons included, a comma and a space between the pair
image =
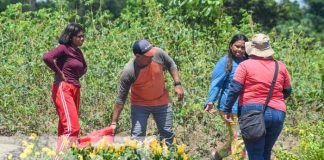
x: 129, y: 149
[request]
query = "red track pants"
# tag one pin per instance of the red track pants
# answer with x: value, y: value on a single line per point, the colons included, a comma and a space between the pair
x: 66, y: 98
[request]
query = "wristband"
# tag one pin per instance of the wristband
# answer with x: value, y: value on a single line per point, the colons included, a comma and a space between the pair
x: 177, y: 83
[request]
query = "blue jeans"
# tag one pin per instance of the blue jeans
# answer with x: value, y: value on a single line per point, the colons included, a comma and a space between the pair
x: 274, y: 119
x: 163, y: 119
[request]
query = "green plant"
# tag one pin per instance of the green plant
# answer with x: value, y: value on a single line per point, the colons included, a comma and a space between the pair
x: 25, y: 80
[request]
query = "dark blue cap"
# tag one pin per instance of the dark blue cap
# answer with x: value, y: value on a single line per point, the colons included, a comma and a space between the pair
x: 141, y: 46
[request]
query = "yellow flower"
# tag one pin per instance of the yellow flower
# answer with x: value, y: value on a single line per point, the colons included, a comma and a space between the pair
x: 9, y: 157
x: 94, y: 152
x: 165, y: 148
x: 174, y: 140
x: 154, y: 142
x: 23, y: 155
x: 301, y: 132
x: 155, y: 147
x: 65, y: 141
x: 74, y: 145
x: 163, y: 143
x: 45, y: 149
x: 166, y: 152
x: 133, y: 144
x: 180, y: 149
x: 80, y: 157
x: 98, y: 149
x: 28, y: 151
x: 51, y: 153
x: 101, y: 145
x: 30, y: 146
x: 92, y: 155
x: 33, y: 136
x: 120, y: 149
x: 286, y: 130
x: 37, y: 153
x: 184, y: 156
x: 157, y: 150
x: 110, y: 147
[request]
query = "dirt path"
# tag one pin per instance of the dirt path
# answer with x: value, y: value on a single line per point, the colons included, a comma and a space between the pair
x: 7, y: 145
x: 13, y: 145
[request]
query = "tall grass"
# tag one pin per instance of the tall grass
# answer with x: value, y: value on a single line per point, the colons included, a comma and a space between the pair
x: 25, y: 81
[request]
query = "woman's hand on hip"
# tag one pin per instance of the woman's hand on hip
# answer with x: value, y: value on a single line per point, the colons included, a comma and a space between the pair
x: 60, y: 74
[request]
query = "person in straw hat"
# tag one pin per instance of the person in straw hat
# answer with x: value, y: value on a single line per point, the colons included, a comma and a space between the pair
x: 252, y: 81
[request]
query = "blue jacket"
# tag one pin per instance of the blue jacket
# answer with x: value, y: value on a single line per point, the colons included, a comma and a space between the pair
x: 219, y: 86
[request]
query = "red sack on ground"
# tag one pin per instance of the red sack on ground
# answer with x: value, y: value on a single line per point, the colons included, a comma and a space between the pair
x: 95, y: 136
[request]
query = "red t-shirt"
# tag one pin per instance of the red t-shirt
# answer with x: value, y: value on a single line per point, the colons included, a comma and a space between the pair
x: 256, y: 75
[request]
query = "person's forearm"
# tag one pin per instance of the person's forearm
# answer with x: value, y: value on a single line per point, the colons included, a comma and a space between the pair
x: 287, y: 92
x: 234, y: 91
x: 116, y: 112
x: 50, y: 56
x: 175, y: 75
x: 49, y: 61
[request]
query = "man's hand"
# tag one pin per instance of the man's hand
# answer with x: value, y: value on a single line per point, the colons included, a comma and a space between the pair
x: 179, y: 92
x: 210, y: 107
x: 113, y: 125
x: 116, y: 112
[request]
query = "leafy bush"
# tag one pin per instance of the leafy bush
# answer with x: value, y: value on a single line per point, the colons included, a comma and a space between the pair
x: 25, y: 80
x: 310, y: 141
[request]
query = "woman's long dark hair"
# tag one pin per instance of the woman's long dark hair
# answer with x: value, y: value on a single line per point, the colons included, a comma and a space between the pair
x: 235, y: 38
x: 71, y: 30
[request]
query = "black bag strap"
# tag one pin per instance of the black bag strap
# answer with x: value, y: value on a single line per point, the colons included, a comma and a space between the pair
x: 272, y: 86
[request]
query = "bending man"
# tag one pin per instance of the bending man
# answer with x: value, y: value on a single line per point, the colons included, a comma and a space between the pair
x: 144, y: 76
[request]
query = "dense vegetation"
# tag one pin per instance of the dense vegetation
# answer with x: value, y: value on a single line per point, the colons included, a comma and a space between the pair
x: 195, y: 33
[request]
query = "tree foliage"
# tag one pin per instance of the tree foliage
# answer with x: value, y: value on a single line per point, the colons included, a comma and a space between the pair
x: 203, y: 14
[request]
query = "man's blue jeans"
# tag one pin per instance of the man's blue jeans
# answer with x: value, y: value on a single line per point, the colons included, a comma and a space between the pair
x: 274, y: 119
x: 163, y: 119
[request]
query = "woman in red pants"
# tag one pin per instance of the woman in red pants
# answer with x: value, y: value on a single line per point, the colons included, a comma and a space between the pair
x: 68, y: 64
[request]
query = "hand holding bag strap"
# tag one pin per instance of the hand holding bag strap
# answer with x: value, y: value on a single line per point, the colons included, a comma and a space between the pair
x: 272, y: 86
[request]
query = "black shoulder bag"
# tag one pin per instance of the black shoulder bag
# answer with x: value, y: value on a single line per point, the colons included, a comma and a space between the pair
x: 252, y: 123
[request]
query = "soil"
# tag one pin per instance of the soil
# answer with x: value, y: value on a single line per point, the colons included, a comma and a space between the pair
x: 13, y: 144
x: 198, y: 143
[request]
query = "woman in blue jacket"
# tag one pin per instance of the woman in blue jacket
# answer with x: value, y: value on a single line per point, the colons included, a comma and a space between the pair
x: 219, y: 87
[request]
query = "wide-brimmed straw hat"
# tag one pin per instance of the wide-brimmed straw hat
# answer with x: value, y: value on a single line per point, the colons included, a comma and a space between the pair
x: 259, y: 46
